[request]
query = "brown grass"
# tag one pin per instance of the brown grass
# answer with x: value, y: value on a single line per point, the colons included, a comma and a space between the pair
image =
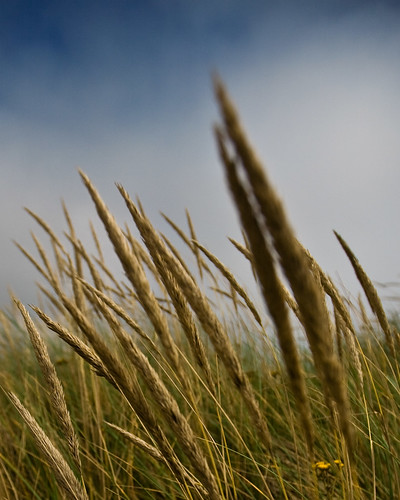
x: 294, y: 263
x: 201, y: 403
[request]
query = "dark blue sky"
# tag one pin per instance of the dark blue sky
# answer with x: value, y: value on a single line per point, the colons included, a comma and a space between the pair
x: 139, y: 54
x: 122, y: 89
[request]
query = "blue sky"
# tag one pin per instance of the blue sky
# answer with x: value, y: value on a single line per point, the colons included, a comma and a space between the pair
x: 123, y: 90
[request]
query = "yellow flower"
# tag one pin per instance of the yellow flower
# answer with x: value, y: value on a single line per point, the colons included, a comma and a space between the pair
x: 321, y: 465
x: 339, y: 463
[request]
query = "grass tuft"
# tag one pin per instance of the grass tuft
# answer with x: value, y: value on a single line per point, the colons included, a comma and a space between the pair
x: 173, y: 383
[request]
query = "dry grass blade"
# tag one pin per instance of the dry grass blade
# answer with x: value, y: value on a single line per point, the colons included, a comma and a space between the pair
x: 82, y: 349
x: 206, y: 316
x: 62, y: 472
x: 273, y: 293
x: 46, y: 228
x: 154, y: 453
x: 51, y: 298
x: 342, y: 316
x: 79, y: 297
x: 148, y: 448
x: 242, y: 249
x: 193, y: 239
x: 186, y: 320
x: 166, y: 403
x: 246, y: 252
x: 295, y: 266
x: 56, y: 391
x: 142, y: 255
x: 121, y: 313
x: 117, y: 286
x: 178, y: 257
x: 33, y: 261
x: 189, y: 242
x: 52, y: 276
x: 78, y: 246
x: 96, y: 241
x: 370, y: 292
x: 58, y: 248
x: 231, y: 279
x: 129, y: 387
x: 136, y: 276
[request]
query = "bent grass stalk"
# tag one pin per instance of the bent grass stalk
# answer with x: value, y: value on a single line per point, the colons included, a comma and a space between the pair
x: 272, y: 291
x: 206, y: 316
x: 56, y: 390
x: 169, y: 397
x: 136, y: 276
x: 370, y: 292
x: 294, y: 263
x: 62, y: 472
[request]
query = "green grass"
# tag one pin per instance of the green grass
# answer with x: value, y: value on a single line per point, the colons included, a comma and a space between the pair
x: 187, y: 367
x: 112, y: 466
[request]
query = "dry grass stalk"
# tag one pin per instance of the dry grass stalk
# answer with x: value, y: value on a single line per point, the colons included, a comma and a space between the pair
x: 201, y: 264
x: 79, y: 297
x: 82, y: 349
x: 370, y: 292
x: 244, y: 250
x: 136, y: 276
x: 78, y: 246
x: 249, y: 256
x: 232, y: 281
x: 342, y: 317
x: 57, y: 305
x: 154, y: 453
x: 148, y: 448
x: 117, y: 375
x: 33, y: 261
x: 56, y: 391
x: 363, y: 314
x: 117, y: 290
x: 185, y: 318
x: 96, y: 241
x: 195, y: 250
x: 295, y: 265
x: 77, y: 290
x: 43, y: 224
x: 122, y: 314
x: 142, y: 254
x: 5, y: 327
x: 178, y: 257
x: 206, y: 316
x: 331, y: 290
x: 351, y: 340
x: 62, y: 472
x: 58, y: 248
x: 51, y: 275
x: 272, y: 291
x: 166, y: 403
x: 146, y: 259
x: 178, y: 230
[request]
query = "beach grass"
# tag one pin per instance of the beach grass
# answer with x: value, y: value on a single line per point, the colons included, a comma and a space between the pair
x: 173, y: 382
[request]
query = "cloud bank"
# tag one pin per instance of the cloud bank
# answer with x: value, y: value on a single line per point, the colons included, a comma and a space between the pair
x: 124, y: 92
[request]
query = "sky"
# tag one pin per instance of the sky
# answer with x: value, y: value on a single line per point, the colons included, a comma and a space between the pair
x: 122, y: 89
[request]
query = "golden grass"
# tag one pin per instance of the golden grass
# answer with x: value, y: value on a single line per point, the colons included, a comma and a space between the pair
x: 169, y: 396
x: 63, y: 473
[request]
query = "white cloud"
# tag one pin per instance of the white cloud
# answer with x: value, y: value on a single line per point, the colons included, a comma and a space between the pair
x: 324, y: 117
x: 321, y: 105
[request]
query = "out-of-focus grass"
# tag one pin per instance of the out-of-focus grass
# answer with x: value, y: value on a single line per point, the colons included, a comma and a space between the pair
x: 175, y: 384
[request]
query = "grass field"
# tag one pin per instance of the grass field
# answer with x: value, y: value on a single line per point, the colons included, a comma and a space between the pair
x: 172, y: 383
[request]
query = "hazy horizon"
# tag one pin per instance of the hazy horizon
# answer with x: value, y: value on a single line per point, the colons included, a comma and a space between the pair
x: 123, y: 91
